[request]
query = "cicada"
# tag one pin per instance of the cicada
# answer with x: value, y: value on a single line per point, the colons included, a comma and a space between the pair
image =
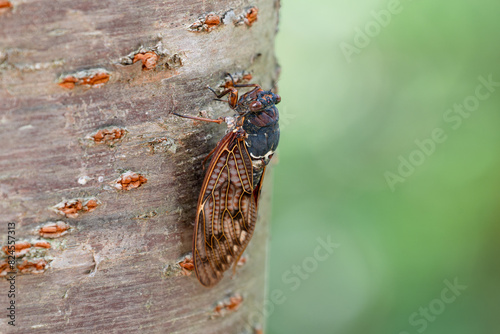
x: 228, y: 202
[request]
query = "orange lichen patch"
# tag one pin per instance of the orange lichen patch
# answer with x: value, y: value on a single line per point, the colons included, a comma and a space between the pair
x: 42, y: 244
x: 5, y: 6
x: 212, y: 21
x: 27, y: 266
x: 130, y: 180
x: 32, y: 266
x: 153, y: 57
x: 20, y: 248
x: 108, y: 135
x: 4, y: 267
x: 53, y: 230
x: 71, y: 208
x: 184, y: 266
x: 187, y: 266
x: 94, y: 78
x: 149, y: 60
x: 91, y: 205
x: 230, y: 304
x: 4, y: 264
x: 68, y: 82
x: 251, y: 16
x: 248, y: 17
x: 207, y: 23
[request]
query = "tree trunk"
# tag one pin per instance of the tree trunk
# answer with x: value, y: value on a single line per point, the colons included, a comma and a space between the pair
x: 100, y: 183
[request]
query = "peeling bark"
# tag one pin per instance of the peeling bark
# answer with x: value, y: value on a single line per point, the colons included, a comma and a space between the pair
x: 86, y: 91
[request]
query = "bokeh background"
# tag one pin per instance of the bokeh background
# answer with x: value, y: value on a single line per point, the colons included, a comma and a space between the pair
x: 346, y: 122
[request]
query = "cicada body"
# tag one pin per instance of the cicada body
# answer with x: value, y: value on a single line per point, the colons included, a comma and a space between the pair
x: 228, y: 200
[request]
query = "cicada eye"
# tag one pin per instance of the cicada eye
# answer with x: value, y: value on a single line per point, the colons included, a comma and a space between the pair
x: 277, y: 99
x: 256, y: 106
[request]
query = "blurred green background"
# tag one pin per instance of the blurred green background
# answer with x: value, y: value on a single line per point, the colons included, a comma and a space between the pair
x: 349, y: 119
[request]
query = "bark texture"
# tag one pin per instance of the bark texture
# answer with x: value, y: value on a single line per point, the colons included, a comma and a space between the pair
x: 100, y: 181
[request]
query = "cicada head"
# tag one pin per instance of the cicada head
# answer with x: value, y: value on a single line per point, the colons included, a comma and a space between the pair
x: 257, y: 100
x: 263, y: 100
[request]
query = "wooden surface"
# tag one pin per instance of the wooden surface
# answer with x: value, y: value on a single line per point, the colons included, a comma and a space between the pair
x: 67, y: 72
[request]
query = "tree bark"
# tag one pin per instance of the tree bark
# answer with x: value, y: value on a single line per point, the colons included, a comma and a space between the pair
x: 100, y: 183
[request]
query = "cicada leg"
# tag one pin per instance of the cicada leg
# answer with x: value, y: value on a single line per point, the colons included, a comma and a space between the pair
x: 246, y: 85
x: 218, y: 120
x: 232, y: 100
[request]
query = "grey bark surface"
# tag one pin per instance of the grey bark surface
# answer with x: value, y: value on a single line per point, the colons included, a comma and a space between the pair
x: 115, y: 270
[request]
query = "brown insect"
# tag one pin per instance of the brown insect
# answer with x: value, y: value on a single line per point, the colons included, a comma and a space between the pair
x: 228, y: 201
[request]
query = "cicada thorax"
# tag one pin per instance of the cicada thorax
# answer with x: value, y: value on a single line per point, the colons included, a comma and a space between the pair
x: 261, y: 128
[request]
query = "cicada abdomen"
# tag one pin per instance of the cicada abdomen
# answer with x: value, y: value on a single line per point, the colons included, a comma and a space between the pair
x: 228, y: 200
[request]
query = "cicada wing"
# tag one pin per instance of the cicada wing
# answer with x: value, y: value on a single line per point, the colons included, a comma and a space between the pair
x: 227, y: 211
